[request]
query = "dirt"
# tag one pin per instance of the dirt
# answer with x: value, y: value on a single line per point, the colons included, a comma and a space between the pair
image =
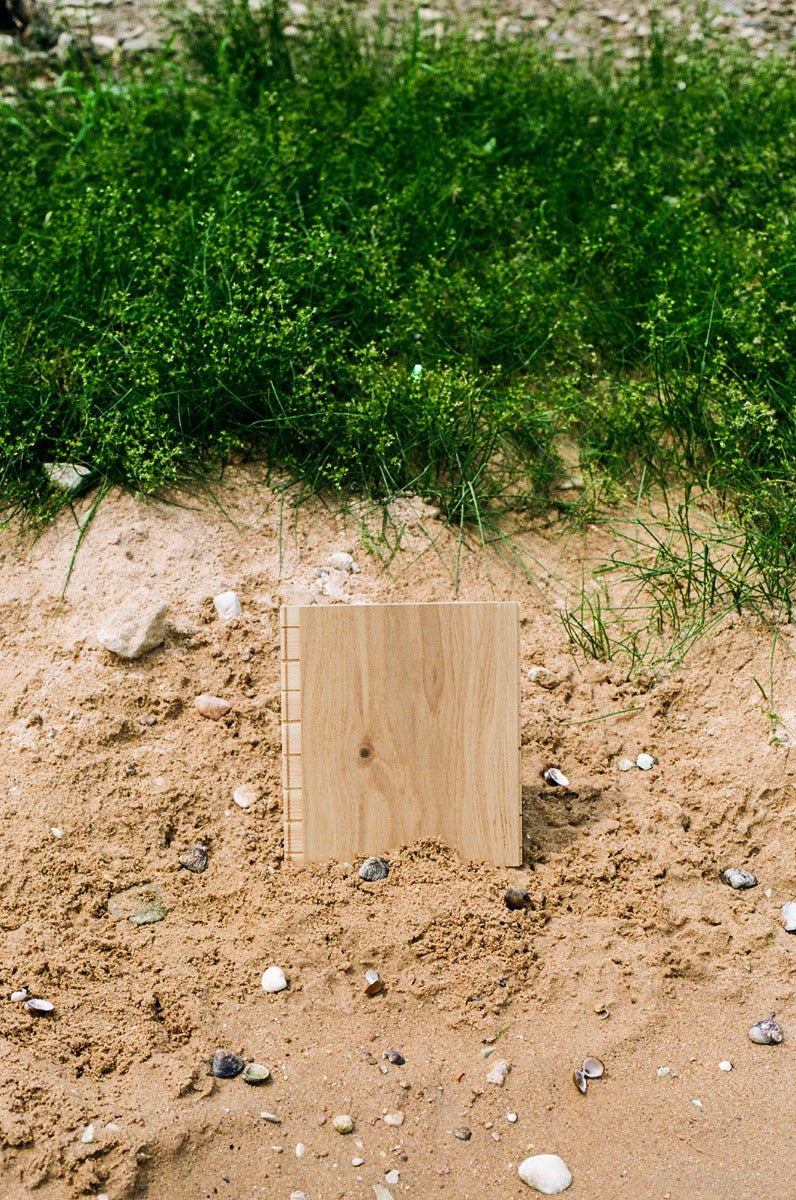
x: 108, y: 774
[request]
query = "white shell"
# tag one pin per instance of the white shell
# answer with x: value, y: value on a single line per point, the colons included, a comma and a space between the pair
x: 556, y: 777
x: 245, y: 795
x: 726, y: 1065
x: 274, y: 980
x: 789, y: 916
x: 646, y: 761
x: 20, y: 995
x: 87, y: 1136
x: 625, y: 764
x: 546, y: 1173
x: 227, y: 605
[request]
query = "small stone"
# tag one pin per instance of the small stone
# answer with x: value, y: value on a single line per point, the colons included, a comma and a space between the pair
x: 374, y: 869
x: 789, y: 916
x: 246, y: 795
x: 274, y: 980
x: 646, y: 761
x: 87, y: 1136
x: 726, y: 1065
x: 141, y: 905
x: 662, y: 1072
x: 499, y: 1072
x: 70, y: 477
x: 395, y: 1057
x: 20, y: 994
x: 625, y: 764
x: 381, y: 1192
x: 226, y: 1065
x: 766, y: 1033
x: 227, y: 606
x: 393, y: 1118
x: 194, y: 859
x: 341, y: 561
x: 554, y: 777
x: 697, y: 1103
x: 463, y: 1133
x: 136, y: 626
x: 212, y: 707
x: 546, y: 1173
x: 357, y: 1162
x: 373, y: 983
x: 392, y: 1177
x: 738, y: 878
x: 301, y: 1149
x: 511, y: 1118
x: 39, y: 1008
x: 272, y: 1118
x: 255, y: 1074
x: 343, y: 1123
x: 516, y: 898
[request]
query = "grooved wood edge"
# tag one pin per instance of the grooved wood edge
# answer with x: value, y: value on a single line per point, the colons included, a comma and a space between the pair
x: 290, y: 639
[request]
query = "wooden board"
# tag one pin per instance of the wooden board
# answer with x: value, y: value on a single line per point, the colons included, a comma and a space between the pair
x: 399, y: 722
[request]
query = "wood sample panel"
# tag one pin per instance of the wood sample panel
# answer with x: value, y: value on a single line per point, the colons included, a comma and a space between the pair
x: 399, y: 722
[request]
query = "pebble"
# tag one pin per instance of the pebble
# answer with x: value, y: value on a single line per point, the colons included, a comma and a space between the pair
x: 646, y: 761
x: 20, y: 995
x: 726, y: 1065
x: 511, y: 1117
x: 341, y: 561
x: 194, y: 859
x: 625, y: 764
x: 246, y: 795
x: 374, y: 869
x: 136, y: 626
x: 272, y: 1118
x: 392, y: 1177
x: 373, y: 983
x: 662, y: 1072
x: 67, y: 476
x: 789, y: 916
x: 357, y: 1162
x: 499, y: 1072
x: 274, y: 980
x: 697, y: 1103
x: 463, y: 1133
x: 738, y: 878
x: 543, y: 677
x: 212, y: 707
x: 546, y: 1173
x: 381, y: 1192
x: 554, y: 777
x: 227, y: 605
x: 394, y: 1118
x: 301, y: 1149
x: 87, y: 1136
x: 226, y: 1065
x: 516, y: 898
x: 255, y: 1074
x: 766, y: 1033
x: 395, y: 1057
x: 39, y: 1008
x: 343, y: 1123
x: 141, y: 905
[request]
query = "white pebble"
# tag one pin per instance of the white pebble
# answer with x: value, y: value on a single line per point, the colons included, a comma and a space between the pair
x: 789, y: 916
x: 392, y: 1177
x: 272, y: 1118
x: 67, y: 476
x: 212, y: 707
x: 381, y: 1192
x: 646, y: 761
x: 20, y: 995
x: 274, y: 980
x: 298, y: 1196
x: 136, y: 626
x: 625, y: 764
x: 726, y: 1065
x: 227, y: 605
x: 697, y: 1103
x: 395, y: 1118
x: 246, y: 795
x: 546, y: 1173
x: 663, y: 1071
x: 87, y: 1136
x: 357, y: 1162
x: 56, y: 832
x: 499, y: 1072
x: 301, y: 1149
x: 102, y: 1196
x: 511, y: 1117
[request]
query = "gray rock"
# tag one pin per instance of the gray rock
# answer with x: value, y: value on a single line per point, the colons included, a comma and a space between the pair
x: 766, y: 1033
x: 70, y: 477
x: 194, y: 859
x: 738, y: 878
x: 141, y: 905
x: 374, y: 869
x: 136, y: 626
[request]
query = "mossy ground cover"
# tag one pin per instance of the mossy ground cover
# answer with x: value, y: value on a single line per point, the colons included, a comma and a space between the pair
x: 251, y: 244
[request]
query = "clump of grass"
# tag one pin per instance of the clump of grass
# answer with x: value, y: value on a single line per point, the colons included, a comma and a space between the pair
x: 250, y: 246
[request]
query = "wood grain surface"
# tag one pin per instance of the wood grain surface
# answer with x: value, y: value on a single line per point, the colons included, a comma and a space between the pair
x: 401, y: 722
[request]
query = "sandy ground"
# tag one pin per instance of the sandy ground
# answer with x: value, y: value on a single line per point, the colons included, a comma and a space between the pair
x: 108, y: 774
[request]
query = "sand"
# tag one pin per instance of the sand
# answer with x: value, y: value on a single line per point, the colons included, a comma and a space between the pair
x: 108, y: 774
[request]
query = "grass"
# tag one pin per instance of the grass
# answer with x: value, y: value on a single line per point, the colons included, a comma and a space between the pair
x: 248, y: 247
